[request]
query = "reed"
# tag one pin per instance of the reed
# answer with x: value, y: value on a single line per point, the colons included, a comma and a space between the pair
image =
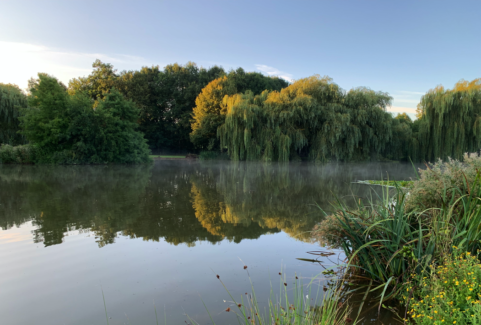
x: 385, y: 242
x: 295, y: 304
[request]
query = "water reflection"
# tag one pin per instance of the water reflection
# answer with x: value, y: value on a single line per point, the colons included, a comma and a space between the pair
x: 179, y: 202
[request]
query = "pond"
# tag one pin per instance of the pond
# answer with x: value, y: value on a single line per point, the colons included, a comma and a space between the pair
x: 153, y: 238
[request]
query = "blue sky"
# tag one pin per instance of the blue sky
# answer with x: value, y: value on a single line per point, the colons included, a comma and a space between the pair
x: 401, y: 47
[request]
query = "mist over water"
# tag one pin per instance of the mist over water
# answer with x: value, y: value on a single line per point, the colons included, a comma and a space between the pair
x: 160, y: 233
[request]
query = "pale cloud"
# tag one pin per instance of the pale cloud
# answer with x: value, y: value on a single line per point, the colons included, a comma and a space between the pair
x: 397, y: 109
x: 270, y: 71
x: 21, y: 61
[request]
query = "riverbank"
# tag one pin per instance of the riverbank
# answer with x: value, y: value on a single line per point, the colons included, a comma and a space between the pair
x: 422, y: 249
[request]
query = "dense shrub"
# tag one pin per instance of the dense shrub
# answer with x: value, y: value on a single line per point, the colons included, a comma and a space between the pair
x: 442, y: 183
x: 25, y: 154
x: 449, y: 293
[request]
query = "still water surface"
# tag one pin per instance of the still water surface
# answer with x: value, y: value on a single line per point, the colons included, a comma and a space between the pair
x: 159, y: 234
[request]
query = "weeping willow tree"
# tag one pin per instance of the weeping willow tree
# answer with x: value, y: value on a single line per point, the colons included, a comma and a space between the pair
x: 313, y: 117
x: 11, y: 100
x: 209, y: 112
x: 450, y: 122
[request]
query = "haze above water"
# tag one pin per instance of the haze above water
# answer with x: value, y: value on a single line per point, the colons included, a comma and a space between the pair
x: 159, y: 234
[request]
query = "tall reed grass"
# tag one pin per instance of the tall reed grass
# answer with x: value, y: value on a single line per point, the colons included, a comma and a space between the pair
x: 386, y: 240
x: 295, y: 304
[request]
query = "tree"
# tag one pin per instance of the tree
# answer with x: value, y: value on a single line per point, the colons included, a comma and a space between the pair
x: 45, y: 122
x: 166, y: 119
x: 312, y: 117
x: 69, y: 129
x: 451, y: 121
x: 12, y: 99
x: 165, y: 97
x: 98, y: 83
x: 404, y: 144
x: 210, y: 111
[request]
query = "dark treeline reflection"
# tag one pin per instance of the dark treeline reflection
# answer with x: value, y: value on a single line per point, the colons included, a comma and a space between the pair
x: 181, y: 202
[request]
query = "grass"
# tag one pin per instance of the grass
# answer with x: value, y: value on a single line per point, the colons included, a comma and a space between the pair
x: 295, y: 304
x: 165, y: 156
x: 390, y: 243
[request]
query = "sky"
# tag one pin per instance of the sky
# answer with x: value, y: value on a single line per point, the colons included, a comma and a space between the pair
x: 403, y: 48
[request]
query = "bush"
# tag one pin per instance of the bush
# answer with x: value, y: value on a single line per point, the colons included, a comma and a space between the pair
x: 449, y: 293
x: 25, y: 154
x: 443, y: 182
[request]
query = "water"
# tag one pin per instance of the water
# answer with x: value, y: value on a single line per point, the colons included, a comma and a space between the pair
x: 158, y: 235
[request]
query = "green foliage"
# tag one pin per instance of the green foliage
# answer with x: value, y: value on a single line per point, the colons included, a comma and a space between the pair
x: 450, y: 121
x: 386, y: 242
x: 449, y: 293
x: 12, y: 99
x: 210, y: 109
x: 68, y: 130
x: 25, y: 154
x: 97, y: 84
x: 403, y: 144
x: 165, y: 98
x: 312, y: 117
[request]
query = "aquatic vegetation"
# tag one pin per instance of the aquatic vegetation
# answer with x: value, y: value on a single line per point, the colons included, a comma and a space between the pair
x: 388, y: 183
x: 386, y: 242
x: 295, y: 304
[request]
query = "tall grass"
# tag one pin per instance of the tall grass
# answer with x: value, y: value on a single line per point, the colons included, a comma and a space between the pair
x: 386, y: 241
x: 294, y: 304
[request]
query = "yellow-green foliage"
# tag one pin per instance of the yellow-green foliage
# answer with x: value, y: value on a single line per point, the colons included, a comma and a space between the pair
x: 450, y: 121
x: 312, y: 116
x: 210, y: 109
x: 447, y: 294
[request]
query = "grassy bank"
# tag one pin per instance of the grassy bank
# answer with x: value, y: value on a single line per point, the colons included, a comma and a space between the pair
x: 406, y: 242
x: 167, y: 157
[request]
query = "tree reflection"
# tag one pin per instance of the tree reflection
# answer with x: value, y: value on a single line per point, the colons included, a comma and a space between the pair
x: 175, y: 201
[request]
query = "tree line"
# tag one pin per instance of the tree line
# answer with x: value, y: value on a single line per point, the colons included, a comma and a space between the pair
x: 111, y: 116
